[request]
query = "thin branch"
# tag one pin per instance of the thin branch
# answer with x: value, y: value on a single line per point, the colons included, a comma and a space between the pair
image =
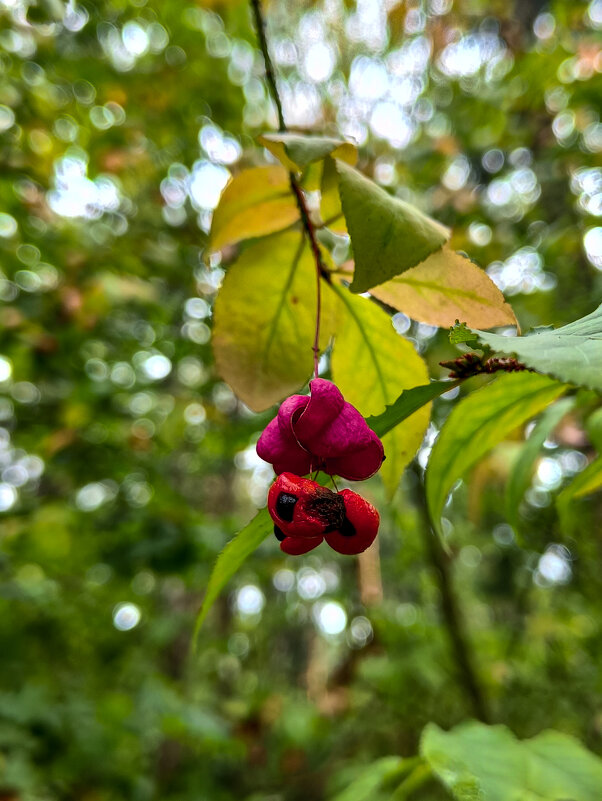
x: 308, y: 226
x: 470, y: 364
x: 450, y: 608
x: 270, y: 75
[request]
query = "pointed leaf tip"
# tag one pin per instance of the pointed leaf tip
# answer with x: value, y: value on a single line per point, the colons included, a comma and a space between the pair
x: 297, y: 151
x: 388, y: 235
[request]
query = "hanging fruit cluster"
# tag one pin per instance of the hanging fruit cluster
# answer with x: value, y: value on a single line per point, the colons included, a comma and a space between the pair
x: 320, y: 432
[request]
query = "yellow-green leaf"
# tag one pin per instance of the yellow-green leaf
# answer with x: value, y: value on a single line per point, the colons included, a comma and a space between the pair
x: 388, y: 235
x: 447, y: 287
x: 372, y: 365
x: 264, y: 320
x: 477, y: 424
x: 296, y: 151
x: 256, y: 202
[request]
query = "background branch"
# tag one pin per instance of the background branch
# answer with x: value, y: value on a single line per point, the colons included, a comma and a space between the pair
x: 454, y: 625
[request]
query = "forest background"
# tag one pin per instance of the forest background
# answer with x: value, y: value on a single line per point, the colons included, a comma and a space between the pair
x: 127, y: 462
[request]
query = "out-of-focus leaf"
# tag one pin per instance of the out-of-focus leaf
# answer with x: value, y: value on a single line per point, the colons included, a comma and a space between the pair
x: 522, y: 469
x: 572, y: 353
x: 372, y: 364
x: 477, y: 424
x: 475, y: 762
x: 447, y: 287
x: 586, y: 482
x: 370, y: 780
x: 296, y: 151
x: 256, y: 202
x: 593, y: 426
x: 388, y: 235
x: 264, y: 320
x: 123, y: 289
x: 407, y: 403
x: 236, y: 552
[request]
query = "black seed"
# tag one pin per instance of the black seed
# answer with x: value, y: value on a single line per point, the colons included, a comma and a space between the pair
x: 280, y: 535
x: 285, y: 506
x: 347, y: 529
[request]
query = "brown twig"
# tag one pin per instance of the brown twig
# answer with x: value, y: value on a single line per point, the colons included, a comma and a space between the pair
x: 454, y: 624
x: 308, y: 226
x: 470, y: 364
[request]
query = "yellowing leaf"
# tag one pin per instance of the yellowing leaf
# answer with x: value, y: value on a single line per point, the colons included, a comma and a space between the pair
x: 447, y: 287
x: 264, y: 320
x: 388, y: 235
x: 256, y: 202
x: 296, y: 151
x: 372, y: 365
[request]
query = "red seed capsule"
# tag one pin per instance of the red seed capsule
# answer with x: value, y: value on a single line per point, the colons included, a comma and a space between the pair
x: 360, y: 527
x: 305, y: 513
x: 301, y: 507
x: 295, y: 546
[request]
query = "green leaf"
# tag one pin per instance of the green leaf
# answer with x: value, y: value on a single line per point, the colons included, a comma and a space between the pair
x: 388, y: 235
x: 446, y: 287
x: 487, y: 763
x: 477, y: 424
x: 586, y: 482
x: 370, y: 780
x: 459, y: 334
x: 264, y: 320
x: 522, y: 469
x: 296, y: 151
x: 256, y: 202
x: 372, y: 364
x: 407, y: 403
x: 572, y: 353
x: 331, y: 210
x: 230, y: 560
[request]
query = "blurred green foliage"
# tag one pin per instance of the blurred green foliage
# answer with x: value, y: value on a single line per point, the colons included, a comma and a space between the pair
x: 127, y: 464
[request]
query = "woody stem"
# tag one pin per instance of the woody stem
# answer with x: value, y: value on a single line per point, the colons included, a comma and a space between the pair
x: 308, y: 226
x: 450, y: 608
